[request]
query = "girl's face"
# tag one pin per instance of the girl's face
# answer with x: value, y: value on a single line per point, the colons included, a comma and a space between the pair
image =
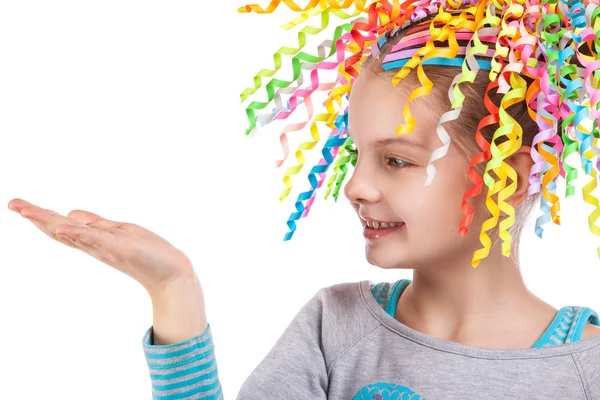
x: 388, y: 181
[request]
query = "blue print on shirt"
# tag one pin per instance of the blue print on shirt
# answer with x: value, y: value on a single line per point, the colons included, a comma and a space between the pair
x: 386, y: 391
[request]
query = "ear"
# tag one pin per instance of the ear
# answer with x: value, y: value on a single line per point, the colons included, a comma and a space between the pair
x: 521, y: 162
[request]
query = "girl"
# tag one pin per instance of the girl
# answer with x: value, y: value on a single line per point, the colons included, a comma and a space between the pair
x: 456, y: 113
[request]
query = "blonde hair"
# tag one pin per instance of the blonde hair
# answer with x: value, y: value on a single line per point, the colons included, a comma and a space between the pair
x: 462, y: 130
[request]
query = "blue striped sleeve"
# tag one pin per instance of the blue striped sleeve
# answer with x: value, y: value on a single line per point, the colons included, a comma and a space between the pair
x: 185, y: 370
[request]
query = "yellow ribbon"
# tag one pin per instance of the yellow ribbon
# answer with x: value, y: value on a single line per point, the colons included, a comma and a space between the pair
x: 510, y: 129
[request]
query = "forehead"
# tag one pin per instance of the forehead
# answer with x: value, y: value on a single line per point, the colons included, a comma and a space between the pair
x: 376, y: 110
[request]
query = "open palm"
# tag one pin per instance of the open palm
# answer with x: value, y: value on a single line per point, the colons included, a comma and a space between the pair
x: 129, y: 248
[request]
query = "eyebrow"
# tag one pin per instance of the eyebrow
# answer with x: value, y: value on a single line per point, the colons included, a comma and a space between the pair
x: 397, y: 139
x: 400, y: 140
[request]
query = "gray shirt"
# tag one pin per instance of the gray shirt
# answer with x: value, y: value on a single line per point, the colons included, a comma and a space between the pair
x: 344, y: 345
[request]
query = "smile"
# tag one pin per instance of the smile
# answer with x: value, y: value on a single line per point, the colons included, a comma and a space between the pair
x: 374, y: 229
x: 381, y: 225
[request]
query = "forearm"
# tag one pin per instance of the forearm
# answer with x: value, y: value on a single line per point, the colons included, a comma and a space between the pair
x: 181, y: 357
x: 178, y: 312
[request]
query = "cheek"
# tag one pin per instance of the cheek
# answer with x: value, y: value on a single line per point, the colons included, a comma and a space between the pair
x: 437, y: 205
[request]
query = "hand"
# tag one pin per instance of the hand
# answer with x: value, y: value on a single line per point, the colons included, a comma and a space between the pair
x: 165, y: 272
x: 129, y: 248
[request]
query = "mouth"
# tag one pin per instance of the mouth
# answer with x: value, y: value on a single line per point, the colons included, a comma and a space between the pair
x: 377, y: 224
x: 374, y: 229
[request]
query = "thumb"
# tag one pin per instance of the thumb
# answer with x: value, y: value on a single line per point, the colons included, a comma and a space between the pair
x: 87, y: 217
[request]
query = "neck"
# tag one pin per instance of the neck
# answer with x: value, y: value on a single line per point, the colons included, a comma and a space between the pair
x: 487, y: 306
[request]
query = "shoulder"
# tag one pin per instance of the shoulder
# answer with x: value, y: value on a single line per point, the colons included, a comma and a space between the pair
x: 337, y: 298
x: 344, y: 304
x: 344, y: 318
x: 590, y: 330
x: 589, y: 319
x: 588, y: 361
x: 341, y: 297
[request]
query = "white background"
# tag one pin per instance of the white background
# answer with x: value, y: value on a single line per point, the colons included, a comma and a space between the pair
x: 130, y: 109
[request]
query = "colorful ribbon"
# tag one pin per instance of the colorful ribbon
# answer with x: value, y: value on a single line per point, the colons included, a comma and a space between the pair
x: 555, y: 44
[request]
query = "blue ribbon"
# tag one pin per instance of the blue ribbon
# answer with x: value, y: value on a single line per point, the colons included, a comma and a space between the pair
x: 450, y: 62
x: 341, y: 123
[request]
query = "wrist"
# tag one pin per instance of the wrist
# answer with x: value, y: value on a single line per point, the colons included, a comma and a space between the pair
x: 178, y: 311
x: 183, y: 285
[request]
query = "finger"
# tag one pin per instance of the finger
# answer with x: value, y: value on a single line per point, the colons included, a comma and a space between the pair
x: 86, y: 217
x: 69, y: 233
x: 17, y: 204
x: 107, y: 240
x: 53, y: 235
x: 80, y: 218
x: 49, y: 218
x: 48, y: 221
x: 100, y: 242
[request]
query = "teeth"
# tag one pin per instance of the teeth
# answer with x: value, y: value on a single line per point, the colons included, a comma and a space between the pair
x: 381, y: 225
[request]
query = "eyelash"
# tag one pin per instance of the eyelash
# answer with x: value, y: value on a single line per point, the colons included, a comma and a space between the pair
x: 390, y: 160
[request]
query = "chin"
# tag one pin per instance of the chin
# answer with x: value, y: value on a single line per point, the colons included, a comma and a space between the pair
x: 386, y: 259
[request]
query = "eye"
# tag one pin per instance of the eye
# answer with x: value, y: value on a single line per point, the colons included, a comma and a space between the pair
x: 393, y: 162
x: 398, y: 163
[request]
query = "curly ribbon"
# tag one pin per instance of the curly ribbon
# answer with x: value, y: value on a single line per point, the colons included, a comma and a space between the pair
x: 296, y: 69
x: 556, y: 43
x: 325, y: 65
x: 292, y: 128
x: 344, y: 170
x: 527, y: 43
x: 592, y: 200
x: 490, y: 223
x: 336, y: 94
x: 266, y: 118
x: 579, y: 113
x: 289, y: 51
x: 329, y: 151
x: 328, y: 118
x: 553, y: 31
x: 295, y: 65
x: 512, y: 97
x: 331, y: 148
x: 588, y: 188
x: 548, y: 110
x: 342, y: 4
x: 304, y: 66
x: 512, y: 131
x: 544, y: 205
x: 426, y: 84
x: 470, y: 68
x: 443, y: 135
x: 316, y: 11
x: 491, y: 119
x: 277, y: 110
x: 588, y: 35
x: 546, y: 162
x: 305, y: 93
x: 375, y: 12
x: 341, y: 170
x: 342, y: 159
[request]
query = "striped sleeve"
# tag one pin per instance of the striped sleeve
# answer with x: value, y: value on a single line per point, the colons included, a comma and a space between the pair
x: 186, y: 370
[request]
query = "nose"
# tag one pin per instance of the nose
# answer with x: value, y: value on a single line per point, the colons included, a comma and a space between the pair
x: 362, y: 187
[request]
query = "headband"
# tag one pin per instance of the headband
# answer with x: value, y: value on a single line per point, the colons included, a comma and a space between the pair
x: 555, y: 44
